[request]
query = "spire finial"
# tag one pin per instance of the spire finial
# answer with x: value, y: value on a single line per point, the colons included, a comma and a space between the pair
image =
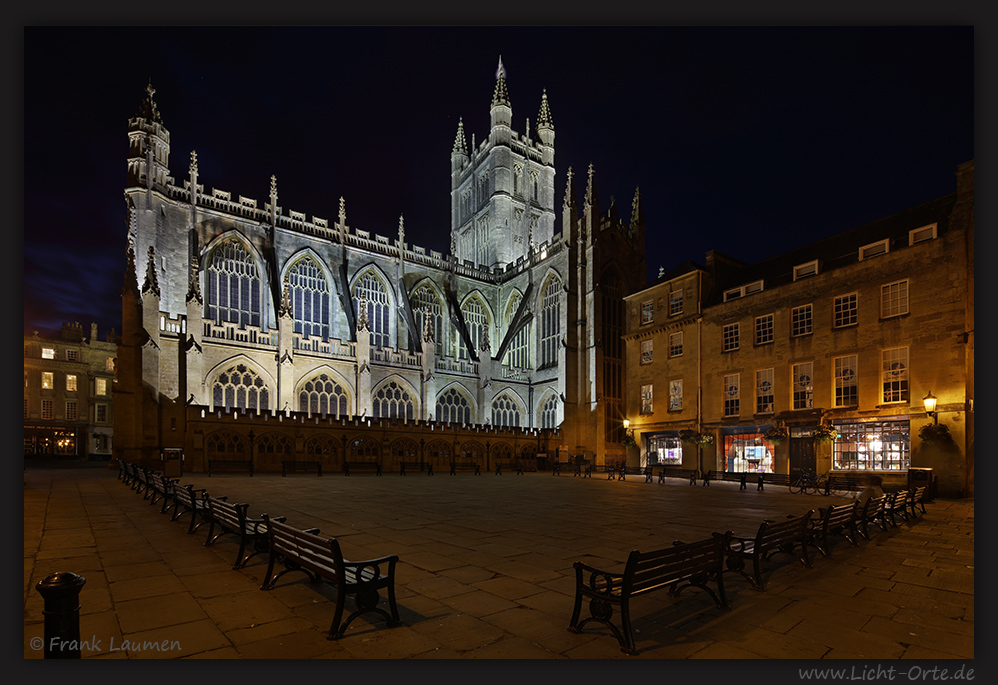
x: 460, y: 144
x: 636, y: 218
x: 570, y: 189
x: 590, y: 185
x: 544, y: 120
x: 401, y: 232
x: 500, y: 96
x: 148, y: 109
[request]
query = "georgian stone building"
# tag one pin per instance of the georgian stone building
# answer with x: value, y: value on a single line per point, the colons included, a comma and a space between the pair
x: 314, y: 332
x: 68, y: 400
x: 850, y: 332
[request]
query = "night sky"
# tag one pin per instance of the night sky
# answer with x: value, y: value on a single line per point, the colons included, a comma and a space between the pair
x: 747, y: 140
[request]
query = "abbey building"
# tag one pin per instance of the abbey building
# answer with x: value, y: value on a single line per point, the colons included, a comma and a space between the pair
x: 265, y: 333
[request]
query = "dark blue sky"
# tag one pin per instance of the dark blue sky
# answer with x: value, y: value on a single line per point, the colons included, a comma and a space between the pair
x: 748, y: 140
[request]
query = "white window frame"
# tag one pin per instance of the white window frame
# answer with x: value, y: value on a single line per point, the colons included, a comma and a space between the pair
x: 836, y: 310
x: 810, y: 326
x: 100, y: 413
x: 806, y: 269
x: 647, y: 312
x: 891, y: 374
x: 802, y: 385
x: 647, y: 397
x: 922, y: 234
x: 902, y: 304
x: 48, y: 353
x: 647, y: 351
x: 881, y: 247
x: 730, y: 343
x: 71, y: 384
x: 762, y: 391
x: 675, y: 303
x: 731, y: 395
x: 676, y: 395
x: 772, y: 329
x: 72, y: 410
x: 742, y: 291
x: 845, y: 370
x: 100, y: 386
x: 675, y: 350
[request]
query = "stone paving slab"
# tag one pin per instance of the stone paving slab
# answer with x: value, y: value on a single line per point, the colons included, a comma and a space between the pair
x: 486, y: 572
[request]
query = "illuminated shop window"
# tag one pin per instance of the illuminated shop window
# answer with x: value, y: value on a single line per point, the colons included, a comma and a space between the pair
x: 879, y: 445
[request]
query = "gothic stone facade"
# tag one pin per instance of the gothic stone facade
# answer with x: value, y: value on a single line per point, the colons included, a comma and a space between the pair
x: 253, y: 313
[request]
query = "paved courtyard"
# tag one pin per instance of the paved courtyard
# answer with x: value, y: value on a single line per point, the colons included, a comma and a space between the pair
x: 486, y: 571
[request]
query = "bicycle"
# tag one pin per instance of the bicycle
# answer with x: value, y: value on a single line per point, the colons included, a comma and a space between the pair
x: 809, y: 483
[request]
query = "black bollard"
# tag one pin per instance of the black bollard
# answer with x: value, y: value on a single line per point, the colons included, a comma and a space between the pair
x: 61, y: 592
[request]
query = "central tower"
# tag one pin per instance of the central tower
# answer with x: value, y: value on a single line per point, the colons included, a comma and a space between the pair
x: 502, y: 191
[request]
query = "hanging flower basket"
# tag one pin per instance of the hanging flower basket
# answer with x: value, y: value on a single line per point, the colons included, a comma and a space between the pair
x: 777, y: 434
x: 825, y: 433
x: 935, y: 434
x: 692, y: 437
x: 628, y: 440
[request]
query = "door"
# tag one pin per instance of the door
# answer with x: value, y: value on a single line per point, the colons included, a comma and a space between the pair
x: 802, y: 455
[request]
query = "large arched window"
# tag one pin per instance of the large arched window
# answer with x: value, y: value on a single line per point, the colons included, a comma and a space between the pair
x: 233, y: 285
x: 378, y: 308
x: 476, y: 318
x: 549, y: 412
x: 426, y: 303
x: 309, y: 299
x: 393, y: 401
x: 518, y: 354
x: 550, y: 322
x: 453, y: 407
x: 323, y: 395
x: 505, y: 411
x: 240, y: 387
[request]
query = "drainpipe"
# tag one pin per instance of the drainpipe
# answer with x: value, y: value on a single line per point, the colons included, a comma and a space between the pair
x: 699, y: 372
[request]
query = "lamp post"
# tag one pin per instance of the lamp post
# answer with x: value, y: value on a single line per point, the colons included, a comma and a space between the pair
x: 930, y: 406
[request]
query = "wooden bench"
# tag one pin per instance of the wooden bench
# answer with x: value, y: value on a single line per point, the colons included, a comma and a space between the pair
x: 161, y: 488
x: 623, y: 470
x: 123, y: 473
x: 677, y: 472
x: 842, y: 482
x: 456, y: 466
x: 557, y: 466
x: 233, y: 519
x: 740, y: 477
x: 584, y: 468
x: 140, y: 483
x: 917, y: 501
x: 301, y: 466
x: 772, y: 537
x: 837, y: 519
x: 230, y: 465
x: 673, y: 569
x: 349, y: 466
x: 509, y: 466
x: 415, y: 466
x: 772, y: 479
x: 896, y: 507
x: 321, y: 559
x: 188, y: 500
x: 872, y: 511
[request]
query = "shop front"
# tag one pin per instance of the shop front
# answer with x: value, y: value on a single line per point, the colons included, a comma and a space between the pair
x: 879, y: 445
x: 745, y: 450
x: 663, y: 449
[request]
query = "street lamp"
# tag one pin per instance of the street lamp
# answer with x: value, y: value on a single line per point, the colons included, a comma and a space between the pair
x: 930, y: 406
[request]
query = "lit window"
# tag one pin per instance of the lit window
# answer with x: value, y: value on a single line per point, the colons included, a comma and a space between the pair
x: 675, y: 395
x: 801, y: 320
x: 48, y: 380
x: 48, y: 353
x: 309, y: 295
x: 803, y: 384
x: 894, y: 299
x: 846, y: 310
x: 378, y: 308
x: 101, y: 386
x: 874, y: 249
x: 675, y: 302
x: 647, y: 406
x: 676, y: 344
x: 731, y: 395
x: 846, y: 383
x: 646, y: 351
x: 763, y: 329
x: 233, y: 286
x: 665, y: 449
x: 894, y: 374
x: 872, y: 446
x: 71, y: 382
x: 109, y: 364
x: 764, y: 397
x: 647, y: 312
x: 730, y: 337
